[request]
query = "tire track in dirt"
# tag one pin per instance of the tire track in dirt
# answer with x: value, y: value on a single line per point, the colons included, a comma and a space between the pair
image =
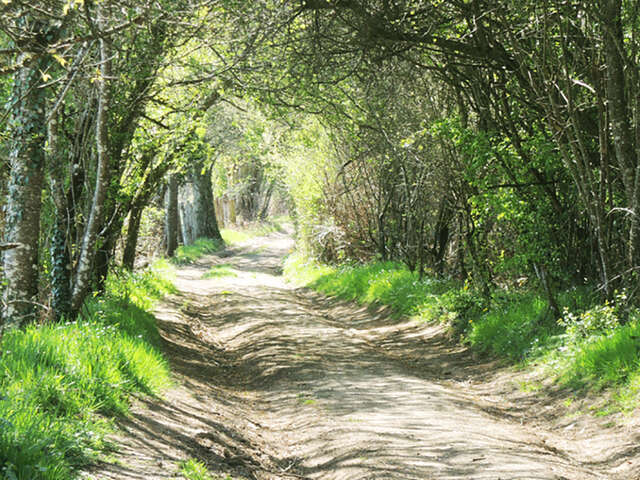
x: 341, y: 406
x: 277, y: 383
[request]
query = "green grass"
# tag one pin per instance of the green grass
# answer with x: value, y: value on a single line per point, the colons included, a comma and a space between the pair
x: 234, y: 236
x: 219, y: 271
x: 195, y: 470
x: 587, y: 350
x: 245, y: 234
x: 143, y: 288
x: 388, y: 283
x: 186, y: 254
x: 61, y: 383
x: 600, y: 360
x: 516, y: 328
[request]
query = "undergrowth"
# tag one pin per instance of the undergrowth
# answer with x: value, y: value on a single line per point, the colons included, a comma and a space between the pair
x: 586, y: 349
x: 61, y: 383
x: 194, y: 470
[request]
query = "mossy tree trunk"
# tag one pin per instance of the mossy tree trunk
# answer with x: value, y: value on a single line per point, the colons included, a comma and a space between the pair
x: 141, y: 200
x: 59, y: 251
x: 28, y: 133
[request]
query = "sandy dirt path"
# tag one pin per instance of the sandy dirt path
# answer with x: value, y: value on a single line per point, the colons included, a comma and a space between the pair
x: 274, y: 382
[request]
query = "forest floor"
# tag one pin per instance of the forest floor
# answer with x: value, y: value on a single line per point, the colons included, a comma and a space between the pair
x: 275, y: 382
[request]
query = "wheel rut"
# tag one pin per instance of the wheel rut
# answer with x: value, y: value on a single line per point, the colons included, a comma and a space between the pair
x: 274, y: 382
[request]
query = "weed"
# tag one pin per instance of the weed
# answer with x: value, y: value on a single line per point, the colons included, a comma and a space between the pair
x: 195, y: 470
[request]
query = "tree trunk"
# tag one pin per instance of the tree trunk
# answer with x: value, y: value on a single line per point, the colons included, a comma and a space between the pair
x: 60, y: 272
x: 619, y: 116
x: 197, y: 208
x: 541, y: 273
x: 133, y: 231
x: 172, y: 216
x: 27, y: 161
x: 89, y: 242
x: 266, y: 202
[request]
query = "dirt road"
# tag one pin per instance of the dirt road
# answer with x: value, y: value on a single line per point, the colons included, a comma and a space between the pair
x: 274, y: 382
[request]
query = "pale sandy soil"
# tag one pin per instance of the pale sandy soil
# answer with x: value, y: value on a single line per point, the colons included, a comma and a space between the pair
x: 274, y: 382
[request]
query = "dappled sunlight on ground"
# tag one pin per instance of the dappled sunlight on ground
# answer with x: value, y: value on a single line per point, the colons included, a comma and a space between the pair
x: 278, y: 382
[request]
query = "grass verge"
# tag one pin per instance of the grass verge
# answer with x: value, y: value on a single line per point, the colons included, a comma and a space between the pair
x: 588, y: 349
x: 61, y: 383
x: 388, y: 283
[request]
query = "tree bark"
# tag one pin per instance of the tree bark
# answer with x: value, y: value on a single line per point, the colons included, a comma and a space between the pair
x: 23, y: 208
x: 60, y: 272
x: 172, y: 216
x: 89, y: 242
x: 620, y: 119
x: 197, y: 208
x: 133, y: 231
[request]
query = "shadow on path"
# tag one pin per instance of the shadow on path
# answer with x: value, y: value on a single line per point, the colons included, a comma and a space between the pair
x: 275, y: 382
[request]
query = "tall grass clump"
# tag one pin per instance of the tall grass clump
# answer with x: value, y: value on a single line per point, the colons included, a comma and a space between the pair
x: 60, y: 383
x: 186, y: 254
x: 512, y: 328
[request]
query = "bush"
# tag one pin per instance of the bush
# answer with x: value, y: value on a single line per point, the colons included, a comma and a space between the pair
x: 601, y: 319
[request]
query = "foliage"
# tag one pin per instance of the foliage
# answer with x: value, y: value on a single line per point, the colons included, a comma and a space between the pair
x: 598, y: 320
x: 60, y: 383
x: 195, y: 470
x: 307, y: 161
